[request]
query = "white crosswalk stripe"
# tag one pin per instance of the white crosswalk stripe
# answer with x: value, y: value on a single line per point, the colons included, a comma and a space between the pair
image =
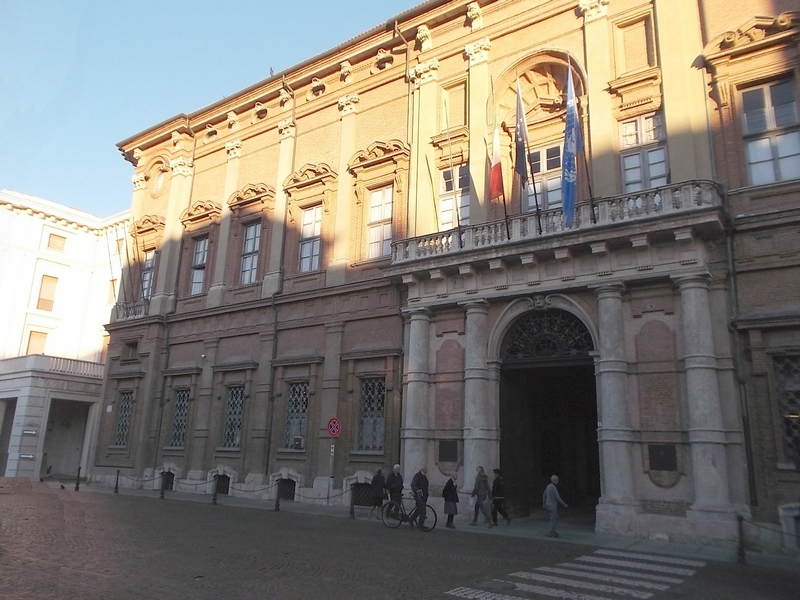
x: 609, y: 575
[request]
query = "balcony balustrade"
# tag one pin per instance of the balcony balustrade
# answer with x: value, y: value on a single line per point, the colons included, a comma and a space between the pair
x: 685, y: 197
x: 132, y: 310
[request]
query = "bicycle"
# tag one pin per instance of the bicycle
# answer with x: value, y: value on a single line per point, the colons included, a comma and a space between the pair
x: 394, y: 513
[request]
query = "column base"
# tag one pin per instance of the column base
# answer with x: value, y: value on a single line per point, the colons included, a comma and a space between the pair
x: 618, y: 517
x: 215, y: 296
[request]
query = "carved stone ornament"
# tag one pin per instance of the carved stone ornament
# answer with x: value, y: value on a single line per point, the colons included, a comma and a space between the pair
x: 378, y: 151
x: 259, y: 111
x: 180, y: 141
x: 284, y: 96
x: 252, y: 193
x: 211, y: 133
x: 234, y: 149
x: 203, y: 210
x: 383, y: 60
x: 479, y: 51
x: 424, y: 38
x: 316, y: 90
x: 474, y: 15
x: 346, y: 71
x: 148, y: 224
x: 181, y: 166
x: 593, y: 9
x: 139, y: 181
x: 233, y: 119
x: 753, y: 31
x: 347, y: 104
x: 309, y: 175
x: 285, y: 128
x: 137, y: 155
x: 424, y: 72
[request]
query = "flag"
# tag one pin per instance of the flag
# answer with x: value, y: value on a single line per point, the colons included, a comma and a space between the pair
x: 496, y: 172
x: 521, y: 136
x: 572, y: 147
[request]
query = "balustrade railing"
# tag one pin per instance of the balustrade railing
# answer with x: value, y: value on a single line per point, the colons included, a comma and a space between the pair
x: 132, y: 310
x: 645, y: 204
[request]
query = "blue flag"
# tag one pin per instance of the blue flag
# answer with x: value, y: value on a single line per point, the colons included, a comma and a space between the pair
x: 521, y: 139
x: 572, y: 147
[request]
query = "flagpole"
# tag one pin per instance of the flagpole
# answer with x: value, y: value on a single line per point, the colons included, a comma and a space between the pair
x: 535, y: 194
x: 494, y: 129
x: 456, y: 201
x: 589, y: 183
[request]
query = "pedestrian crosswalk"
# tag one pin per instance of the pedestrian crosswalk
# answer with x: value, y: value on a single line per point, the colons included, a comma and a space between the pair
x: 602, y: 575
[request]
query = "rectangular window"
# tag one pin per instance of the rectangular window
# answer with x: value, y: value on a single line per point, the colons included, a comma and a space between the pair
x: 772, y: 135
x: 56, y: 242
x: 644, y: 155
x: 310, y: 239
x: 250, y: 246
x: 379, y: 229
x: 120, y: 246
x: 234, y: 407
x: 180, y: 417
x: 545, y: 166
x: 787, y: 380
x: 148, y: 270
x: 199, y: 257
x: 47, y: 293
x: 371, y: 422
x: 36, y: 342
x: 454, y: 106
x: 112, y: 291
x: 124, y: 410
x: 296, y: 415
x: 454, y: 196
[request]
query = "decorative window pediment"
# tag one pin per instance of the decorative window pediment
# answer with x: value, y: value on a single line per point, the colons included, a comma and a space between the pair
x: 382, y: 162
x: 310, y: 183
x: 637, y: 93
x: 251, y: 195
x: 200, y: 213
x: 755, y: 33
x: 452, y: 146
x: 148, y: 224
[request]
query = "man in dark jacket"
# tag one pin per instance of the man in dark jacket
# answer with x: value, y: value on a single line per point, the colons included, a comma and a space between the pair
x: 394, y: 483
x: 419, y: 485
x: 498, y: 498
x: 378, y: 486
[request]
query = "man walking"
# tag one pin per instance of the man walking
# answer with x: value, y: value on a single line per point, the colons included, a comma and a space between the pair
x: 419, y: 486
x: 394, y: 483
x: 480, y: 491
x: 498, y: 498
x: 551, y: 499
x: 378, y: 486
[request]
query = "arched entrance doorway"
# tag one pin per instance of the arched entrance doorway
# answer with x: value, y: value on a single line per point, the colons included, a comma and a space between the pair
x: 548, y: 410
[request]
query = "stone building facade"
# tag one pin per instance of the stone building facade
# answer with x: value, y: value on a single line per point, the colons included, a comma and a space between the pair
x: 62, y: 271
x: 323, y: 245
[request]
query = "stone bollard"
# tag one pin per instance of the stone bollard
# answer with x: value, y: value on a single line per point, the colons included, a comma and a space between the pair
x: 277, y: 501
x: 78, y: 481
x: 216, y: 483
x: 741, y: 558
x: 163, y: 485
x: 352, y: 503
x: 116, y: 484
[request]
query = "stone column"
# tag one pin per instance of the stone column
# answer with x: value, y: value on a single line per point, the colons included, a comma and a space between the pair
x: 272, y: 280
x: 615, y: 512
x: 335, y: 274
x: 481, y: 439
x: 329, y: 402
x: 415, y: 433
x: 216, y: 292
x: 706, y: 431
x: 479, y: 90
x: 422, y: 216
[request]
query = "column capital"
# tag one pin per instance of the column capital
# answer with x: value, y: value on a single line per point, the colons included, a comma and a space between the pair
x: 286, y: 128
x: 347, y: 104
x: 417, y: 312
x: 608, y: 289
x: 424, y: 72
x: 234, y: 149
x: 475, y: 306
x: 593, y: 9
x: 696, y: 279
x: 181, y: 166
x: 139, y: 181
x: 478, y: 52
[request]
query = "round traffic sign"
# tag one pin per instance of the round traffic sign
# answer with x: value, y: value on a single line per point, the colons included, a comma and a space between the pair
x: 334, y: 427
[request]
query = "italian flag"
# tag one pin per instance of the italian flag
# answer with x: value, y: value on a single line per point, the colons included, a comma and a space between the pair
x: 496, y: 172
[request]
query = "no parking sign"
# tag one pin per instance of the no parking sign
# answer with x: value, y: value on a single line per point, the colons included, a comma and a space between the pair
x: 334, y: 427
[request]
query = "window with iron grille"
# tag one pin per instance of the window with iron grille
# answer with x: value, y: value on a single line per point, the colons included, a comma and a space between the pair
x: 296, y: 413
x: 250, y: 246
x: 371, y: 422
x: 644, y: 154
x: 787, y: 380
x: 124, y: 409
x: 310, y: 233
x: 180, y: 416
x: 772, y: 135
x: 199, y: 258
x: 380, y: 223
x: 454, y: 196
x: 234, y: 407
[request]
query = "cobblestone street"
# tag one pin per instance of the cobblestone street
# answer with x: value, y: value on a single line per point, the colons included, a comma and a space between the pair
x: 58, y: 543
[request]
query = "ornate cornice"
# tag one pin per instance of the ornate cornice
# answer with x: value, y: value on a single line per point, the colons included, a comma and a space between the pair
x: 204, y: 210
x: 252, y: 193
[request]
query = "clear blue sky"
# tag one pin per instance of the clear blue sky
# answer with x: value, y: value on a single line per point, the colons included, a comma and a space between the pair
x: 78, y: 76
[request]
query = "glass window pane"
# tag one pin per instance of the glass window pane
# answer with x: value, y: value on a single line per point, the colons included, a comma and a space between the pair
x: 789, y: 144
x: 783, y: 103
x: 535, y: 159
x: 755, y: 114
x: 554, y: 158
x: 759, y: 150
x: 554, y: 192
x: 630, y: 134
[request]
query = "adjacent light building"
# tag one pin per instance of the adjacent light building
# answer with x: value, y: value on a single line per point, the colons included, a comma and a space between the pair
x: 323, y: 244
x: 61, y: 270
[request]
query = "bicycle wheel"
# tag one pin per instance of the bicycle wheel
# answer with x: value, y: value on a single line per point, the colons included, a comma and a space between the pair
x: 430, y: 519
x: 392, y: 515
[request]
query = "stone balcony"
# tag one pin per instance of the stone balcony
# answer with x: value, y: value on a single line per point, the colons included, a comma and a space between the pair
x: 634, y: 214
x: 51, y: 364
x: 125, y: 311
